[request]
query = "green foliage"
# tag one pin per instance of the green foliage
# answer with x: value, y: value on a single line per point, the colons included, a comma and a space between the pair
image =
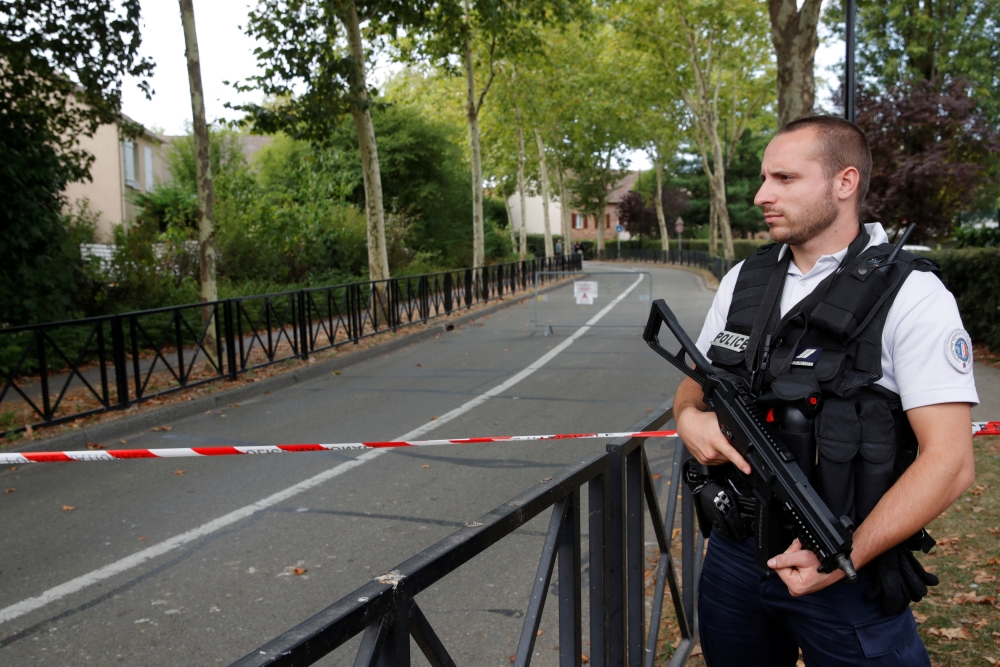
x: 424, y: 180
x: 743, y: 247
x: 984, y: 237
x: 53, y: 51
x: 742, y: 183
x: 923, y: 40
x: 973, y: 276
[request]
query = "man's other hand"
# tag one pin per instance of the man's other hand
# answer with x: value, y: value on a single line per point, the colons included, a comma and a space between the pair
x: 799, y: 569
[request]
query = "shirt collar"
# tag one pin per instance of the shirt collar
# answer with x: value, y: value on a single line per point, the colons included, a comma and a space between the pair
x: 826, y: 263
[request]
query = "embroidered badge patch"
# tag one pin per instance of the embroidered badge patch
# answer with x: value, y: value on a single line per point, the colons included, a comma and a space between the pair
x: 806, y: 356
x: 731, y: 341
x: 958, y: 349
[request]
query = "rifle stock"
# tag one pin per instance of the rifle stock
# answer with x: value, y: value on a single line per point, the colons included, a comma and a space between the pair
x: 780, y: 488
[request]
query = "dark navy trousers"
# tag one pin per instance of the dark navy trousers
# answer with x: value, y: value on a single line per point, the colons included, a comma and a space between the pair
x: 747, y: 619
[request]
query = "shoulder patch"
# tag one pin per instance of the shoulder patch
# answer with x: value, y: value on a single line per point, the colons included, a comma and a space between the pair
x: 958, y: 349
x: 731, y: 341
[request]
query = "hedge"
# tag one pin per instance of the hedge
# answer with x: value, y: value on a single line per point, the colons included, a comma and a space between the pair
x: 741, y: 247
x: 973, y: 276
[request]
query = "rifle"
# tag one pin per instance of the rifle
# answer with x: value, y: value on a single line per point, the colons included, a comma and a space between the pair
x: 781, y: 491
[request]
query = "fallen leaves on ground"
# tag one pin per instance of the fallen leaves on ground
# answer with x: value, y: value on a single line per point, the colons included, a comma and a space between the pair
x: 656, y: 475
x: 425, y: 466
x: 10, y: 490
x: 162, y: 428
x: 982, y: 577
x: 142, y: 539
x: 949, y: 633
x: 95, y: 445
x: 919, y: 618
x: 972, y: 598
x: 68, y: 508
x: 299, y: 570
x: 180, y: 473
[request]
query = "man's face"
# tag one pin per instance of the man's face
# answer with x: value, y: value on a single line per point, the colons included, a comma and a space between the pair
x: 795, y: 195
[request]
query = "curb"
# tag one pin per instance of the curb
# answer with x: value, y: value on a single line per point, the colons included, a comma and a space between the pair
x: 147, y: 419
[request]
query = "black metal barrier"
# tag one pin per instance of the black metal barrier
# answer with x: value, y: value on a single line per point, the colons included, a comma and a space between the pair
x: 718, y: 266
x: 620, y: 489
x: 119, y: 360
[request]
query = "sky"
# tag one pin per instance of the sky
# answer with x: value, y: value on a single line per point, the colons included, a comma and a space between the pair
x: 227, y: 55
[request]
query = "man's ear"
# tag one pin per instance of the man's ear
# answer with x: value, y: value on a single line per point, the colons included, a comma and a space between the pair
x: 845, y: 185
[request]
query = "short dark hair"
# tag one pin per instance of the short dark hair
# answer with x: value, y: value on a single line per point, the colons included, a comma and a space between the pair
x: 843, y: 145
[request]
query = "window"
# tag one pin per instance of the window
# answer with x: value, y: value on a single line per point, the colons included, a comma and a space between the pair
x: 147, y: 159
x: 578, y: 221
x: 128, y: 159
x: 607, y: 221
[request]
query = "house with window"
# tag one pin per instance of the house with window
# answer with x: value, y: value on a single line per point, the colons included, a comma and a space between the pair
x: 581, y: 226
x: 121, y: 168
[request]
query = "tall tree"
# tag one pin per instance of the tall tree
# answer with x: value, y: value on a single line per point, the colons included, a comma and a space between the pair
x: 319, y: 46
x: 203, y: 168
x: 793, y: 32
x: 543, y: 177
x: 928, y: 40
x: 480, y: 33
x: 720, y: 53
x: 63, y: 66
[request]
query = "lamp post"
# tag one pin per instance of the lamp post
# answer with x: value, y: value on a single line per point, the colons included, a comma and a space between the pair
x: 850, y: 85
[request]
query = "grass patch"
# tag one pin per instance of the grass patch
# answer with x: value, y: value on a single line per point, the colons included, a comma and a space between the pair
x: 960, y: 620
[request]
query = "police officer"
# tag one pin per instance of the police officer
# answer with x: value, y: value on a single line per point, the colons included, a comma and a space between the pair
x: 886, y: 348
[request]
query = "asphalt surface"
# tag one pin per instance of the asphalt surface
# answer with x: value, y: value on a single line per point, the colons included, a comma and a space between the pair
x: 224, y: 591
x: 217, y: 597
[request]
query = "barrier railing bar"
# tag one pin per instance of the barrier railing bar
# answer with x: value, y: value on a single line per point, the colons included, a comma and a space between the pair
x: 540, y: 588
x: 427, y: 640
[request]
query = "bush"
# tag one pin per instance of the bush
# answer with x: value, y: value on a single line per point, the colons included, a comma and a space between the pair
x: 742, y: 247
x: 983, y: 237
x: 973, y: 276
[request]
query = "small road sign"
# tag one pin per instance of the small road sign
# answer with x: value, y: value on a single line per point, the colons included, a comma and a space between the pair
x: 679, y: 226
x: 619, y: 229
x: 585, y: 291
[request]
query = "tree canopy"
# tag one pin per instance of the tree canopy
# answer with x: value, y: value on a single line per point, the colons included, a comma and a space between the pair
x: 63, y: 64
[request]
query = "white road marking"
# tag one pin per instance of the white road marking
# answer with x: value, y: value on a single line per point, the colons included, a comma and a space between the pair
x: 79, y: 583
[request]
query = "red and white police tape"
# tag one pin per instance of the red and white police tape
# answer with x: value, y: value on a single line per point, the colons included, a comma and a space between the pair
x: 16, y: 458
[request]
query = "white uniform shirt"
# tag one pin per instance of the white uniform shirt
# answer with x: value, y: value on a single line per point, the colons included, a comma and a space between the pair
x: 926, y: 353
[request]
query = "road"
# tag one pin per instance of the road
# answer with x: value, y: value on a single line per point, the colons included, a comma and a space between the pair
x: 139, y: 574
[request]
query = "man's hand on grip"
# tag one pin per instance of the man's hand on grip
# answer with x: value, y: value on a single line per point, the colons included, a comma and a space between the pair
x: 704, y: 439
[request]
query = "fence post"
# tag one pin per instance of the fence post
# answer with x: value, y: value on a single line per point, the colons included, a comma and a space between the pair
x: 468, y: 288
x: 230, y: 331
x: 303, y: 325
x: 570, y: 608
x: 118, y: 359
x: 447, y: 293
x: 635, y: 554
x: 43, y: 371
x: 615, y: 555
x: 425, y: 304
x: 597, y: 510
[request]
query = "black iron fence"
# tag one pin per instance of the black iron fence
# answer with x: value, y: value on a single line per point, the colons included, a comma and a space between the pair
x: 702, y: 260
x: 62, y: 371
x: 619, y: 490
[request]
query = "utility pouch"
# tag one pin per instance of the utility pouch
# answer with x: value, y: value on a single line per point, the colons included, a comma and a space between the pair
x: 838, y: 438
x: 716, y: 501
x: 874, y: 473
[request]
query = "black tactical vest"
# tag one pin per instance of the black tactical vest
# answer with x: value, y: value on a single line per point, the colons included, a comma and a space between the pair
x: 813, y: 370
